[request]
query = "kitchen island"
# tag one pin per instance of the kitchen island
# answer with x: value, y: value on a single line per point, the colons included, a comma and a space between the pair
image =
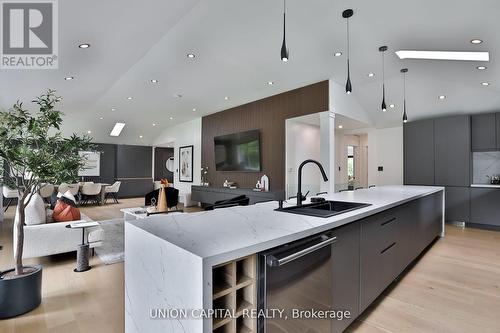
x: 184, y: 262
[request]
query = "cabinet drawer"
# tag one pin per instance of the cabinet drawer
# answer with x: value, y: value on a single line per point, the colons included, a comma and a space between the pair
x: 378, y: 270
x: 381, y: 230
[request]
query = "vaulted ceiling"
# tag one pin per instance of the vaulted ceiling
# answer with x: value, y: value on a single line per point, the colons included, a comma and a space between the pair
x: 237, y: 44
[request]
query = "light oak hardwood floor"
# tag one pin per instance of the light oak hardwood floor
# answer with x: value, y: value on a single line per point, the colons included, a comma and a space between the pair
x: 454, y: 288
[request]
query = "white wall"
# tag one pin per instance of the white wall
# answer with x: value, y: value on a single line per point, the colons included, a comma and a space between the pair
x: 302, y: 142
x: 346, y: 105
x: 327, y: 147
x: 385, y: 148
x: 184, y: 134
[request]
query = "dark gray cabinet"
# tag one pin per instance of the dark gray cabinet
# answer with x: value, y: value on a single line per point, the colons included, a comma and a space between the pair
x: 419, y: 153
x: 484, y: 132
x: 452, y: 151
x: 485, y: 206
x: 497, y: 118
x: 210, y: 195
x: 457, y: 204
x: 346, y: 273
x: 391, y: 240
x: 379, y: 254
x: 430, y: 220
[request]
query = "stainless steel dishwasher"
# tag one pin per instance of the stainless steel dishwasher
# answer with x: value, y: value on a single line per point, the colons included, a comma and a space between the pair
x: 296, y: 276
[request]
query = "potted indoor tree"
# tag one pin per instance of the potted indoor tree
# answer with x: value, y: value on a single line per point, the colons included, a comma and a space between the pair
x: 34, y: 152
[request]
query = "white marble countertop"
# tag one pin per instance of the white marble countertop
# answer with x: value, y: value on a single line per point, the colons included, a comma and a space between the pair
x: 486, y: 185
x: 227, y: 234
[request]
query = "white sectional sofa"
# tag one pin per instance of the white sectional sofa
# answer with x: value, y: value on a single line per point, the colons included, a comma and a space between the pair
x: 54, y: 238
x: 43, y: 238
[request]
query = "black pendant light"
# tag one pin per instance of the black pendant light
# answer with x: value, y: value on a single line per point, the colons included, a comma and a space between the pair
x: 284, y: 49
x: 382, y: 49
x: 348, y: 86
x: 405, y: 116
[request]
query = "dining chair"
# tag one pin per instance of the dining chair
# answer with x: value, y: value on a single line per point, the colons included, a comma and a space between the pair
x: 91, y: 193
x: 112, y: 191
x: 9, y: 194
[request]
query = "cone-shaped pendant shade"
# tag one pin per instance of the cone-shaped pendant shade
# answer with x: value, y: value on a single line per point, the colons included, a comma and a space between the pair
x: 284, y: 49
x: 384, y: 107
x: 405, y: 116
x: 348, y: 85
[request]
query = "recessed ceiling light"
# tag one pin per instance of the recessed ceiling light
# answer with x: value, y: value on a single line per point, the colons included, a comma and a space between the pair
x: 481, y: 68
x: 177, y: 95
x: 476, y: 41
x: 270, y: 83
x: 171, y: 118
x: 191, y: 55
x: 337, y: 54
x: 226, y: 98
x: 140, y: 136
x: 154, y: 124
x: 371, y: 74
x: 340, y: 126
x: 392, y: 106
x: 84, y: 46
x: 485, y: 83
x: 101, y: 118
x: 89, y: 132
x: 444, y: 55
x: 113, y: 109
x: 441, y: 97
x: 194, y: 109
x: 154, y: 81
x: 130, y: 98
x: 117, y: 129
x: 68, y: 78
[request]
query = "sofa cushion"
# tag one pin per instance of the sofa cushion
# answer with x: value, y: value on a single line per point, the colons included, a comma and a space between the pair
x: 34, y: 213
x: 65, y: 211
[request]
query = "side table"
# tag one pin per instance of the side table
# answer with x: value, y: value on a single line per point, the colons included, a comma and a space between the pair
x: 82, y: 251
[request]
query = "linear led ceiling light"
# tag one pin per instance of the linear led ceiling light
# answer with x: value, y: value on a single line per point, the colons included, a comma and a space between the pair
x: 444, y: 55
x: 117, y: 129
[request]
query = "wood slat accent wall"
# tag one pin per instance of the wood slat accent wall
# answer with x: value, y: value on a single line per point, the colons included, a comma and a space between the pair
x: 268, y: 115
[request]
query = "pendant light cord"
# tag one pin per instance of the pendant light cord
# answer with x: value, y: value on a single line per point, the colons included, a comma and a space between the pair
x: 284, y: 19
x: 348, y: 42
x: 383, y: 71
x: 404, y: 86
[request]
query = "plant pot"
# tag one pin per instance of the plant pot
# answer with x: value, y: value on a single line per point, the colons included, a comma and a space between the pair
x: 20, y: 294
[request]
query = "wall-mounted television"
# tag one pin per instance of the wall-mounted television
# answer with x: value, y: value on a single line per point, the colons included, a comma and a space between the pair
x: 238, y: 152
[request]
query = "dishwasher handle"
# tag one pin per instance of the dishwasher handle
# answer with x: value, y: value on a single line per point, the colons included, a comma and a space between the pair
x: 275, y: 262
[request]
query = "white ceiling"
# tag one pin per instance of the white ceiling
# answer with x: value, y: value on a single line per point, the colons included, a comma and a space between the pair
x: 237, y: 46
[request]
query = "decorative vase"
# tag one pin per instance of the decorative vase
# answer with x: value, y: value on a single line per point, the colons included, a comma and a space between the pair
x: 162, y: 201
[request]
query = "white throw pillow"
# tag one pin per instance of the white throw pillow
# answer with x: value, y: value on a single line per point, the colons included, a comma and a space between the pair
x: 34, y: 213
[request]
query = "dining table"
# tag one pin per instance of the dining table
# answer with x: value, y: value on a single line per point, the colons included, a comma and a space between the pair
x: 102, y: 194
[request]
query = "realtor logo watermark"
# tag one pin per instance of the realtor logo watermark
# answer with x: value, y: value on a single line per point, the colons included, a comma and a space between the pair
x: 29, y: 33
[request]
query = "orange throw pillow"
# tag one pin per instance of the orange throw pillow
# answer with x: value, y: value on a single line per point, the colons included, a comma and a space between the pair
x: 64, y: 212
